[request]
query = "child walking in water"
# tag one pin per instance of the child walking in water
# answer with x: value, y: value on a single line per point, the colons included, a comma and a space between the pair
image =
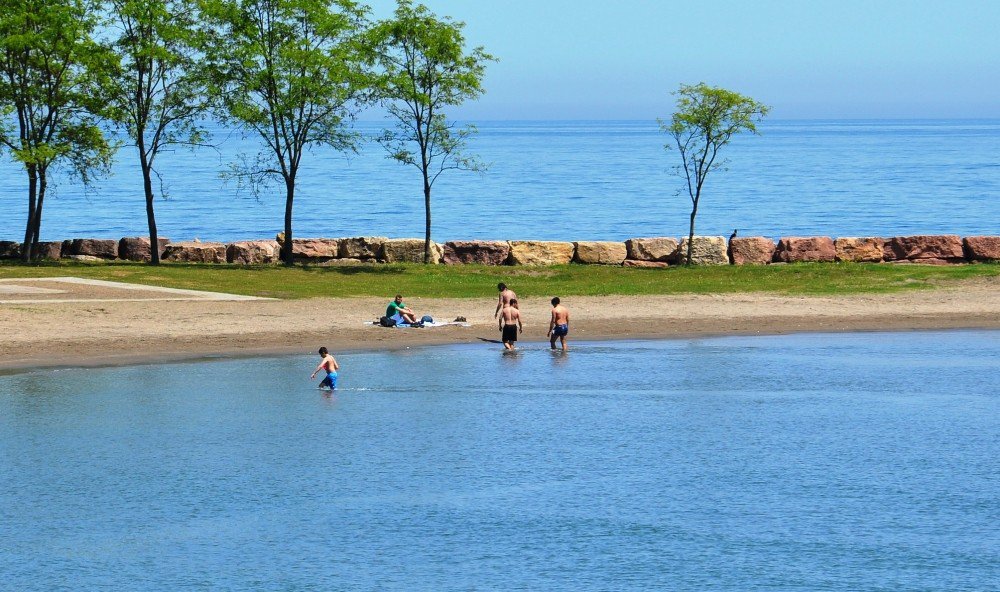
x: 331, y: 366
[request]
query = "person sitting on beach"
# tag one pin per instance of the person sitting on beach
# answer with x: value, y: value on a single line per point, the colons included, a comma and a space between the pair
x: 510, y: 321
x: 398, y: 312
x: 559, y: 324
x: 331, y: 366
x: 506, y: 296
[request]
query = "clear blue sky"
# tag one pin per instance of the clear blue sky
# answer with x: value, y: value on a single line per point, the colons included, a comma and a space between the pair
x: 595, y: 59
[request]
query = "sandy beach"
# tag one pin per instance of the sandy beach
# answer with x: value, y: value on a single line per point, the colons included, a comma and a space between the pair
x: 110, y: 329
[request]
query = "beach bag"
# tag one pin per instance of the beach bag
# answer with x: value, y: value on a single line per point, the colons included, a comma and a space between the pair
x: 387, y: 322
x: 427, y: 319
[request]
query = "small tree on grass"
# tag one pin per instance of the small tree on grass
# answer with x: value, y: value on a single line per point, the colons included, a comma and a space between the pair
x: 53, y: 74
x: 705, y: 120
x: 425, y: 68
x: 158, y: 94
x: 288, y: 71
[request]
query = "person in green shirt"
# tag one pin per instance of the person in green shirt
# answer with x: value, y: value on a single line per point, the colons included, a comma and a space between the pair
x: 398, y: 311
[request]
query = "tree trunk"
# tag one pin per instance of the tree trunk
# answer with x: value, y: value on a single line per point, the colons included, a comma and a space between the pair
x: 147, y: 186
x: 694, y: 212
x: 286, y: 248
x: 427, y: 220
x: 37, y: 233
x: 29, y: 226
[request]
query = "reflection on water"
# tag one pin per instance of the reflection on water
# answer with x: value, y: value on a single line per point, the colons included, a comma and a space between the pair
x: 835, y: 462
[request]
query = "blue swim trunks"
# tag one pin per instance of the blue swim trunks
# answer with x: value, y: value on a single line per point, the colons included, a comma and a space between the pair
x: 560, y: 330
x: 330, y: 381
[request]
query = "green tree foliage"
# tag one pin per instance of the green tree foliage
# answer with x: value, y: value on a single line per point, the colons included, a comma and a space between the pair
x: 53, y: 74
x: 158, y: 93
x: 705, y: 120
x: 290, y: 72
x: 425, y: 68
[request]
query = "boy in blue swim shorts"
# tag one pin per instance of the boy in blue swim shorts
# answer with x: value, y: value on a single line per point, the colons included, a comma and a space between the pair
x: 558, y: 324
x: 331, y: 366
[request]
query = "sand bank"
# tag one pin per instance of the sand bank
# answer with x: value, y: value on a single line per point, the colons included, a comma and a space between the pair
x: 39, y: 334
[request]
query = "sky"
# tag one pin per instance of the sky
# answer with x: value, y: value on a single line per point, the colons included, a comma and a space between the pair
x: 808, y: 59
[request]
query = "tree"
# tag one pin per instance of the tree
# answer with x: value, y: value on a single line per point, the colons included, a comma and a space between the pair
x: 159, y: 95
x: 424, y: 69
x: 289, y: 71
x: 53, y: 74
x: 705, y: 120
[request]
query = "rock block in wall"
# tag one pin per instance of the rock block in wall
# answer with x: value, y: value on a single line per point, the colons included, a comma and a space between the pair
x: 408, y: 250
x: 255, y: 252
x: 982, y: 248
x: 647, y: 264
x: 705, y: 250
x: 321, y: 249
x: 481, y: 252
x: 365, y: 248
x: 10, y: 250
x: 659, y: 248
x: 794, y: 249
x: 752, y: 250
x: 95, y: 247
x: 48, y: 250
x: 528, y: 252
x: 195, y: 252
x: 136, y: 248
x: 919, y: 248
x: 599, y: 252
x: 860, y: 250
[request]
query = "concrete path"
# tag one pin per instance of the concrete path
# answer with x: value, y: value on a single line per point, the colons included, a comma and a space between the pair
x: 84, y: 290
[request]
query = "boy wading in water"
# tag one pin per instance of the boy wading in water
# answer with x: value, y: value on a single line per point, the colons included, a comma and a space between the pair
x: 510, y: 321
x: 331, y: 366
x: 559, y: 324
x: 507, y: 296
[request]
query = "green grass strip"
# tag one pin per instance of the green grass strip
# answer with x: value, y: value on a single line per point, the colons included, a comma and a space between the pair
x: 475, y: 281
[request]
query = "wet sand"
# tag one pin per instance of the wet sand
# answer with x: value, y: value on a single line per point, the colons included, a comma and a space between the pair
x: 41, y: 334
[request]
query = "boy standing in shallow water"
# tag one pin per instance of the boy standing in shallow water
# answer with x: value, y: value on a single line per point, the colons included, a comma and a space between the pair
x: 510, y: 321
x: 558, y: 324
x: 331, y: 366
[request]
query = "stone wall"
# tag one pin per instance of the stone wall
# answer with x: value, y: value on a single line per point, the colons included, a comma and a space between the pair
x: 653, y: 252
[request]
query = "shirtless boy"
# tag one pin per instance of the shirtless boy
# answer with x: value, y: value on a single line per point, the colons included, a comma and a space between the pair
x: 510, y: 321
x: 506, y: 297
x: 331, y: 366
x: 559, y: 324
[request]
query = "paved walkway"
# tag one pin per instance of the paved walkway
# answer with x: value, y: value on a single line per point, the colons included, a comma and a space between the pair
x: 59, y: 290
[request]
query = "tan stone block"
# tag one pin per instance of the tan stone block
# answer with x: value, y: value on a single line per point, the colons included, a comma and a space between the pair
x: 646, y: 264
x: 195, y: 252
x: 408, y: 250
x: 361, y: 247
x: 256, y: 252
x: 658, y: 248
x: 868, y: 249
x: 599, y: 252
x: 540, y: 252
x: 705, y: 250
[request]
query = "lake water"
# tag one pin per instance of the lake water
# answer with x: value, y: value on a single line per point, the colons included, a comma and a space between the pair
x: 568, y: 180
x: 856, y: 462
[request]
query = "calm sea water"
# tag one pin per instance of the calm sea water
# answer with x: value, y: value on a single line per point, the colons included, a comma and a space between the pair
x: 814, y: 462
x: 570, y: 180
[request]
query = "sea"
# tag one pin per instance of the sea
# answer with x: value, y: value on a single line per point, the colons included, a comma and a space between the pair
x: 845, y: 462
x: 560, y: 180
